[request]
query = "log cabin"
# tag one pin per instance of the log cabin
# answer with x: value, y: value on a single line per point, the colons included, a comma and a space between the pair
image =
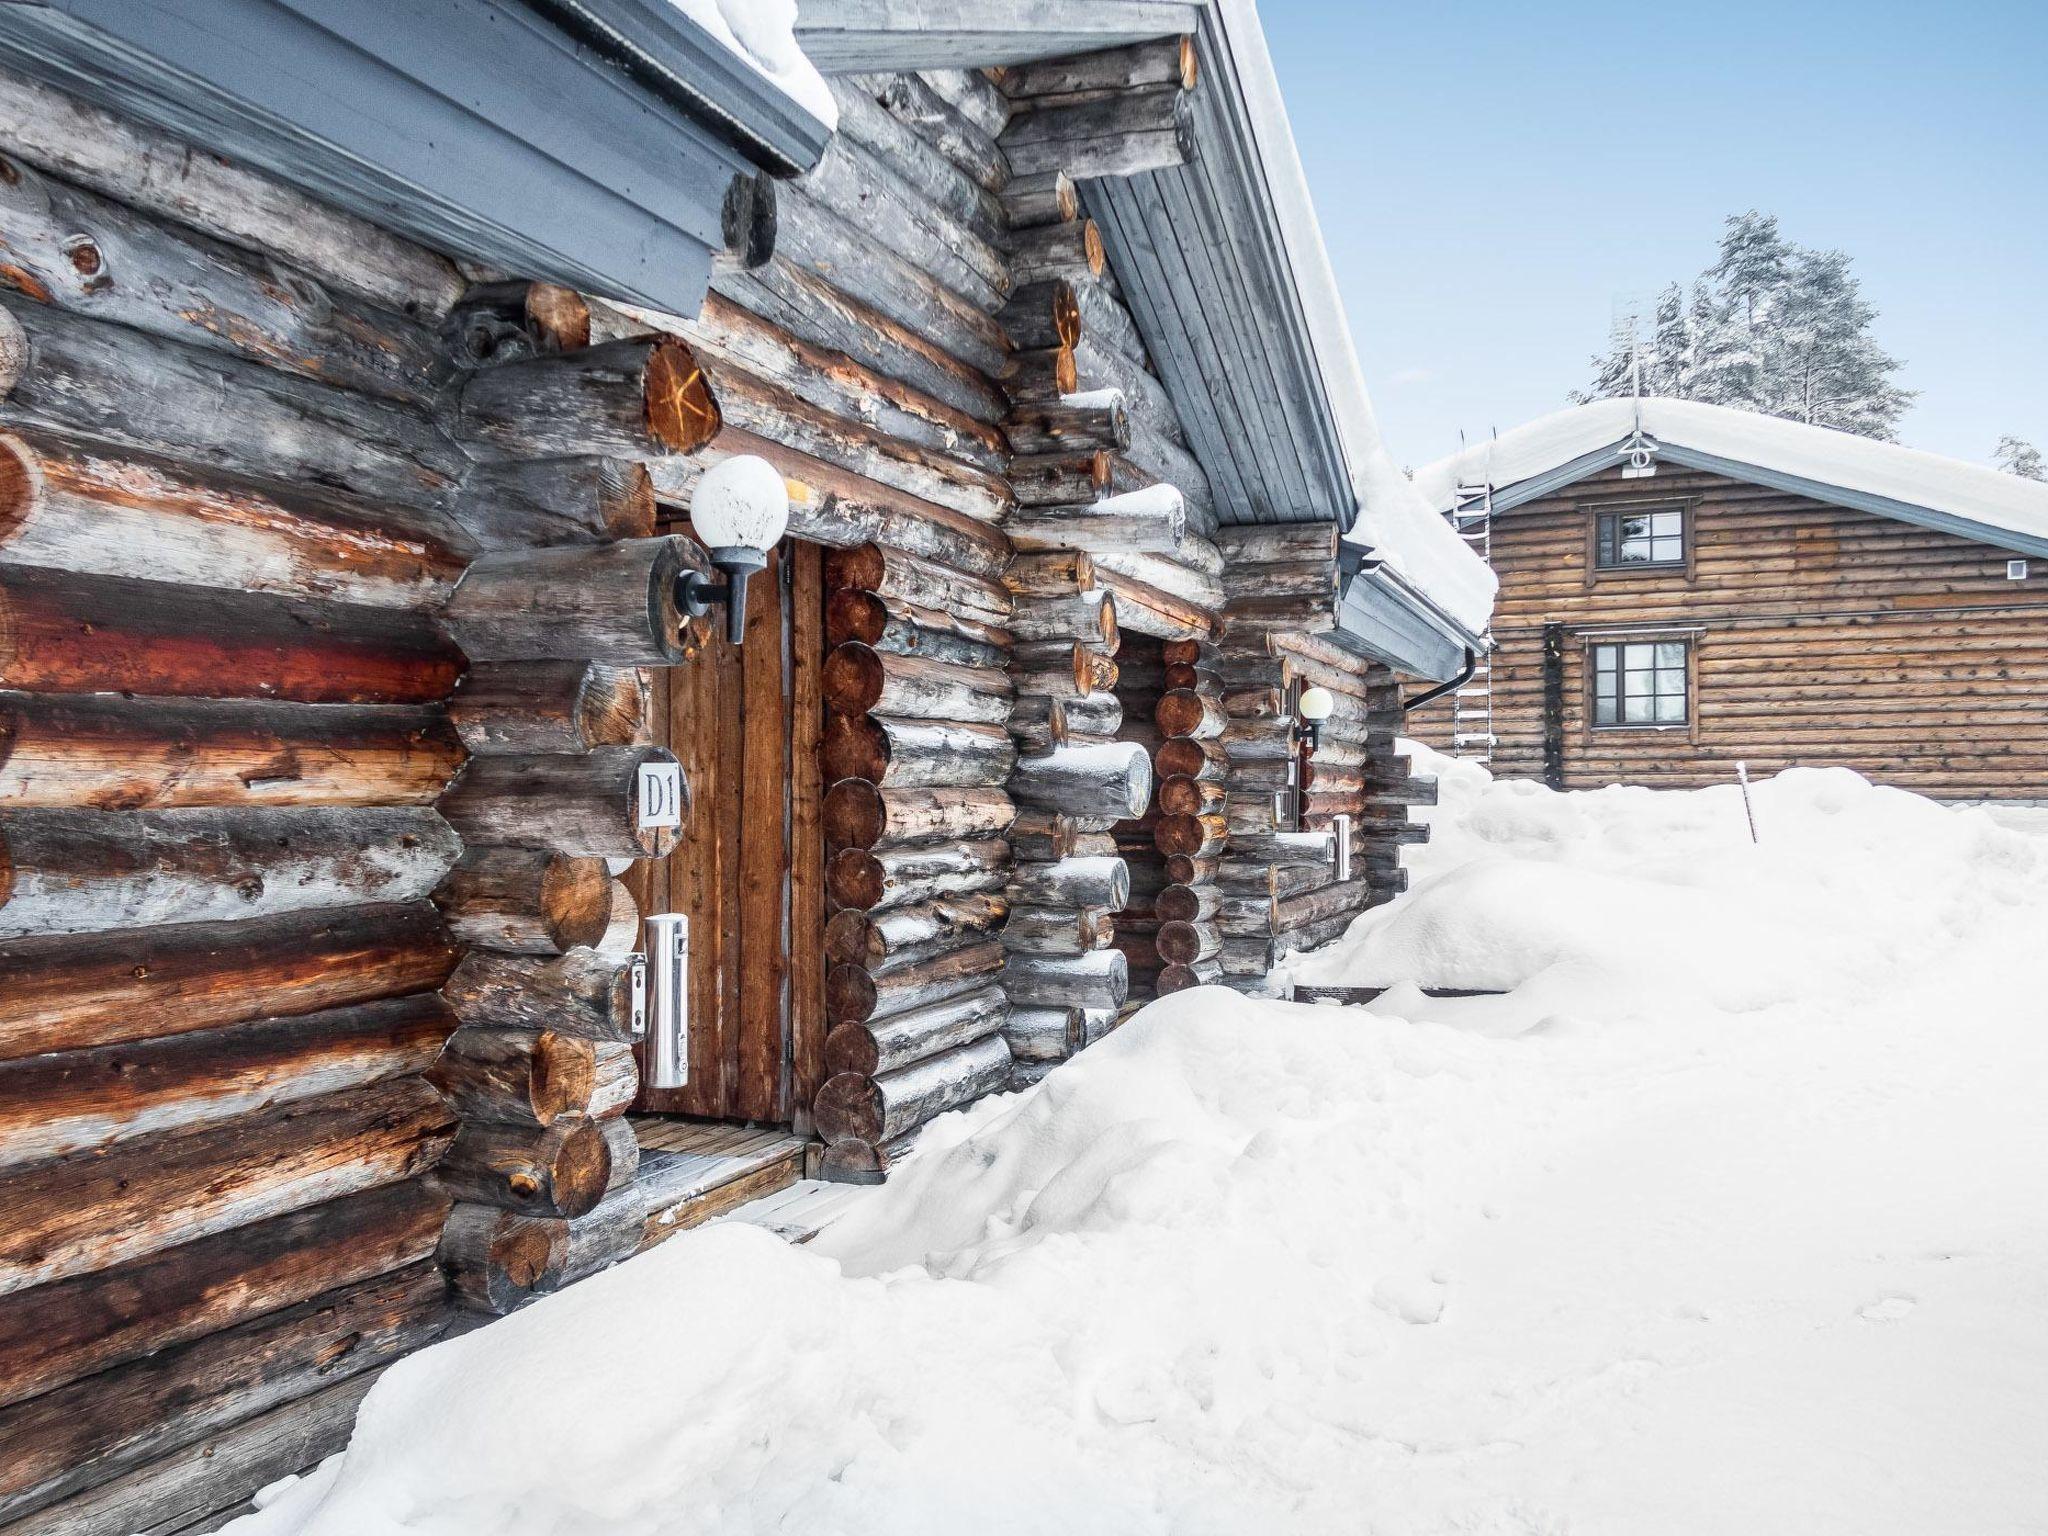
x: 432, y: 866
x: 1685, y: 587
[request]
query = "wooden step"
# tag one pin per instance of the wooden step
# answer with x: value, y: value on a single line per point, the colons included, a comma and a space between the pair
x: 694, y: 1170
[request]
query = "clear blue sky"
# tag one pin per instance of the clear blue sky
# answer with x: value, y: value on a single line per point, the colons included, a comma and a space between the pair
x: 1492, y: 175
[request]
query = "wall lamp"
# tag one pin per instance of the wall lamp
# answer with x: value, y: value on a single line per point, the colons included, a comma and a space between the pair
x: 739, y: 511
x: 1314, y: 707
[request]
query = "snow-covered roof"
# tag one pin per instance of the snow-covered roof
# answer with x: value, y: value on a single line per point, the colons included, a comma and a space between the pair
x: 1394, y: 522
x: 762, y: 35
x: 1837, y: 467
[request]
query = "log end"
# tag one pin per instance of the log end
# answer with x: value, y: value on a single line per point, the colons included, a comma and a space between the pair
x: 854, y: 878
x: 851, y: 1161
x: 616, y: 707
x: 1175, y: 978
x: 855, y: 748
x: 1190, y: 66
x: 854, y: 815
x: 749, y: 220
x: 626, y: 503
x: 1092, y: 251
x: 1066, y: 309
x: 849, y: 1108
x: 1179, y: 943
x: 851, y: 614
x: 558, y: 316
x: 853, y: 678
x: 682, y: 415
x: 1179, y: 835
x: 851, y: 1050
x: 579, y: 1165
x: 576, y: 895
x: 850, y: 995
x: 21, y: 481
x: 852, y: 939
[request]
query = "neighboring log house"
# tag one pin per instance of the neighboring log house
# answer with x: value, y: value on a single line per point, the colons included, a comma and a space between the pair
x: 348, y: 442
x: 1685, y: 587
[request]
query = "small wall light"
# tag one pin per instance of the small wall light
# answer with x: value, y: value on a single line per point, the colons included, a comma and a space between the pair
x: 739, y: 510
x: 1314, y: 707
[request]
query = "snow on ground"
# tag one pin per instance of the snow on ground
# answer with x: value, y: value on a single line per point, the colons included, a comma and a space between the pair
x: 1729, y: 1218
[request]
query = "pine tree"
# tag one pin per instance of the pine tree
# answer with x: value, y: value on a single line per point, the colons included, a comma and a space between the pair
x: 1772, y: 327
x: 2017, y: 456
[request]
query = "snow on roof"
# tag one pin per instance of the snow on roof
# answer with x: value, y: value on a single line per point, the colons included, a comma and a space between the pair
x: 762, y: 35
x: 1398, y: 525
x: 2001, y: 506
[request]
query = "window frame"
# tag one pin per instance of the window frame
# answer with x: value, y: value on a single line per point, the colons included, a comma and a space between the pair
x: 1599, y: 512
x: 1593, y: 644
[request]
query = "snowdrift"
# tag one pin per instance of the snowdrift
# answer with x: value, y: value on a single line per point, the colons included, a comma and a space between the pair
x: 1726, y: 1218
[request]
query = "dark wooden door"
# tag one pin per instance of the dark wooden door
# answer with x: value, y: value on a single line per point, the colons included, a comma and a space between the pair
x: 748, y: 869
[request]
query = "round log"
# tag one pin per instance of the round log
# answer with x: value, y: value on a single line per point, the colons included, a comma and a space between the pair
x: 526, y: 901
x: 858, y: 814
x: 1186, y: 903
x: 854, y: 994
x: 1188, y: 869
x: 1108, y: 779
x: 914, y: 754
x: 1041, y: 836
x: 525, y: 503
x: 613, y: 603
x: 1079, y: 882
x: 904, y: 578
x: 1182, y: 712
x: 1043, y: 314
x: 1052, y: 930
x: 497, y: 1260
x: 1184, y: 943
x: 854, y: 1107
x: 587, y: 804
x: 1190, y: 757
x: 633, y: 398
x: 501, y: 321
x: 1195, y: 837
x: 889, y: 1045
x: 894, y: 877
x: 534, y: 1077
x: 855, y: 937
x: 1183, y: 796
x: 858, y: 679
x: 556, y: 1170
x: 1089, y: 617
x: 1097, y: 980
x: 79, y: 506
x: 514, y: 707
x: 584, y: 992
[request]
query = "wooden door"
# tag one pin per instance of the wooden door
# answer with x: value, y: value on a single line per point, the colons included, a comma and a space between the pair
x: 748, y: 870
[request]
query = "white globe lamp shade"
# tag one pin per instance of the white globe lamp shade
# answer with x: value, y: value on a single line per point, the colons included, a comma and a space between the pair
x: 741, y: 503
x: 1315, y: 705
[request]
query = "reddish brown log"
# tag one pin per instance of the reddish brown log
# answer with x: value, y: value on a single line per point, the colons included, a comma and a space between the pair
x: 526, y: 901
x: 508, y: 707
x: 534, y: 1077
x: 558, y: 1170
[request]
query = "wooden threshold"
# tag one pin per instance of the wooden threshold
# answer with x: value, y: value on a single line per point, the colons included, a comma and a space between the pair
x: 695, y: 1170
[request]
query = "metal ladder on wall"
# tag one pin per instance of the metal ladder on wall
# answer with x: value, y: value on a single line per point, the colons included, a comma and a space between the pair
x: 1472, y: 704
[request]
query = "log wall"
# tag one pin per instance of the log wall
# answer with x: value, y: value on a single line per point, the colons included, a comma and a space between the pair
x: 1818, y: 636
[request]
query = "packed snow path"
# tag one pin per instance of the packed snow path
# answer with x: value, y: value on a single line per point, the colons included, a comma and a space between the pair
x: 1731, y: 1217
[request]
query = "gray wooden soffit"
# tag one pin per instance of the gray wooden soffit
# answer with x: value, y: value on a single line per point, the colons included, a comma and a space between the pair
x: 1205, y: 270
x: 1381, y: 617
x: 479, y: 127
x: 1536, y: 487
x: 850, y: 36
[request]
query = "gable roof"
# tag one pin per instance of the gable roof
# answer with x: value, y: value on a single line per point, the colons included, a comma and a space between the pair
x: 1927, y: 489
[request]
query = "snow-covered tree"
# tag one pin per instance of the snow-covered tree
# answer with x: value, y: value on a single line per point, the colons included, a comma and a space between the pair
x: 2017, y: 456
x: 1772, y: 327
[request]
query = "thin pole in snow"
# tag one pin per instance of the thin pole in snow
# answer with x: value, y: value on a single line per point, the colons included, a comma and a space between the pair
x: 1748, y: 809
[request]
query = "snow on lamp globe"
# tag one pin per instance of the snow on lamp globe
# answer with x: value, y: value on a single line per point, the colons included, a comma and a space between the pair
x: 739, y: 511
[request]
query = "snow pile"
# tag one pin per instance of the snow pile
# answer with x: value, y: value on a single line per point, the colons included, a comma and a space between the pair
x: 1397, y: 524
x: 1998, y: 502
x: 1728, y: 1218
x: 762, y: 35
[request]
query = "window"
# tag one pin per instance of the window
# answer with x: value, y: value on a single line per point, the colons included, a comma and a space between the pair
x: 1641, y: 682
x: 1650, y: 536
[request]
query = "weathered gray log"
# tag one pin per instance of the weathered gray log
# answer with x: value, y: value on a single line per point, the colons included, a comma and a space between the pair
x: 1072, y: 427
x: 74, y: 1437
x: 896, y: 1042
x: 89, y: 254
x: 1187, y: 943
x: 611, y: 1232
x: 913, y: 754
x: 1153, y: 520
x: 1038, y: 722
x: 66, y: 992
x: 557, y: 1170
x: 1285, y: 848
x: 971, y: 95
x: 900, y: 577
x: 1107, y: 71
x: 895, y: 877
x: 71, y: 1329
x: 1178, y: 978
x: 1042, y: 836
x: 501, y: 322
x: 1046, y: 197
x: 859, y: 815
x: 630, y: 398
x: 583, y: 992
x: 497, y: 1260
x: 884, y: 942
x: 105, y: 752
x: 588, y: 803
x: 87, y: 1101
x: 858, y: 679
x: 1187, y: 903
x: 534, y: 1077
x: 612, y: 603
x: 83, y: 1214
x: 1041, y: 376
x: 1043, y: 316
x: 1051, y: 573
x: 1089, y: 617
x: 855, y: 1107
x: 1125, y: 134
x: 1097, y: 980
x: 852, y: 182
x: 151, y: 170
x: 94, y: 634
x: 73, y: 375
x: 77, y: 506
x: 526, y: 901
x: 915, y: 160
x: 89, y: 871
x: 908, y: 630
x: 1064, y: 478
x: 917, y: 105
x: 854, y: 995
x: 1190, y: 869
x: 524, y: 707
x: 526, y: 503
x: 1070, y: 251
x: 1107, y: 323
x: 1073, y: 883
x: 1056, y: 930
x: 1109, y: 779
